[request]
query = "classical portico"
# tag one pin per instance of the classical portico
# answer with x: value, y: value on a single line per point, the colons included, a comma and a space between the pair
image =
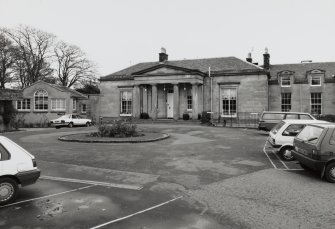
x: 166, y: 96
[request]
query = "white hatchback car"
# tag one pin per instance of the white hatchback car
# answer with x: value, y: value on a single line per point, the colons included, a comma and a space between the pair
x: 70, y: 120
x: 17, y: 167
x: 282, y: 135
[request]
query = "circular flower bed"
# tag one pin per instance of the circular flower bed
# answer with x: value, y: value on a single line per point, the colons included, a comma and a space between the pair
x: 120, y: 131
x: 88, y: 138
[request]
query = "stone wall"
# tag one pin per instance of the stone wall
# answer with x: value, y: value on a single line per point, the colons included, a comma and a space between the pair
x: 301, y: 97
x: 252, y: 92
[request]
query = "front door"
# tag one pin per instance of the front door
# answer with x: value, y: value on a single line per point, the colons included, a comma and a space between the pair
x: 169, y: 105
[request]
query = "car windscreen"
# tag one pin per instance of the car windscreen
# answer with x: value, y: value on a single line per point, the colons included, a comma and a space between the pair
x: 273, y: 116
x: 277, y: 127
x: 310, y: 134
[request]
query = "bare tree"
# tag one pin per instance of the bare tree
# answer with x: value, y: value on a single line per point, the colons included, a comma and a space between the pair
x: 33, y: 55
x: 72, y: 65
x: 6, y: 60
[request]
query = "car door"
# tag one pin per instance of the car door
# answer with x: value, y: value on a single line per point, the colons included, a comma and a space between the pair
x: 75, y: 120
x: 81, y: 121
x: 290, y: 132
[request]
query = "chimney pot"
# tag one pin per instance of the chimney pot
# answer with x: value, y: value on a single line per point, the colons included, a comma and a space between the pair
x: 163, y: 57
x: 266, y: 57
x: 249, y: 59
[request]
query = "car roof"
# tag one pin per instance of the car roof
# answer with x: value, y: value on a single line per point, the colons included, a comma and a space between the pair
x: 284, y: 112
x: 302, y: 121
x: 329, y: 124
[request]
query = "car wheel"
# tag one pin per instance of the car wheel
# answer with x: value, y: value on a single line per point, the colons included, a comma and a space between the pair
x: 286, y: 154
x: 88, y: 124
x: 8, y: 190
x: 330, y: 172
x: 57, y: 127
x: 70, y: 124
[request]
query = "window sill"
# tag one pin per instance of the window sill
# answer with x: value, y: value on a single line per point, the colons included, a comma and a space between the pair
x: 126, y: 115
x: 24, y: 111
x: 315, y: 85
x: 228, y: 116
x: 57, y: 111
x: 285, y: 85
x: 35, y: 111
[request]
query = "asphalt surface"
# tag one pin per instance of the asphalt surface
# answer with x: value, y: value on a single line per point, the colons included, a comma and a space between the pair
x: 201, y: 177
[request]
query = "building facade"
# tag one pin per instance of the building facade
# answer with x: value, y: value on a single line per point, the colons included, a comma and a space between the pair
x: 42, y: 102
x: 168, y: 89
x: 305, y: 87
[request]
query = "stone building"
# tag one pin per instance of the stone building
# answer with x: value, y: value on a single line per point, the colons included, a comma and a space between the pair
x: 42, y: 102
x: 304, y: 87
x: 226, y: 86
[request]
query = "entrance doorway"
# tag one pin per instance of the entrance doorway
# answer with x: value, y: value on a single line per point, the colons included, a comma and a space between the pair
x: 169, y: 104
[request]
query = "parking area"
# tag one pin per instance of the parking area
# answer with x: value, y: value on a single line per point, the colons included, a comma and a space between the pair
x: 277, y: 162
x: 64, y: 204
x: 199, y: 178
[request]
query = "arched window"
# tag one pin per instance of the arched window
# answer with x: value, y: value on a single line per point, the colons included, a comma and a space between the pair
x: 41, y: 100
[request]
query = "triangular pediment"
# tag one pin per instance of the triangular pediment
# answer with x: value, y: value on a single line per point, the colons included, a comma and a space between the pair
x: 163, y: 69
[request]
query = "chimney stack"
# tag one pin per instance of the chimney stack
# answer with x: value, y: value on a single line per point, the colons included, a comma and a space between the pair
x: 266, y: 56
x: 163, y: 57
x: 249, y: 59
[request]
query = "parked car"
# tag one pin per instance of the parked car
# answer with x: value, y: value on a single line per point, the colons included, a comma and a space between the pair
x: 17, y: 167
x: 70, y: 120
x: 282, y: 135
x: 269, y: 119
x: 314, y: 148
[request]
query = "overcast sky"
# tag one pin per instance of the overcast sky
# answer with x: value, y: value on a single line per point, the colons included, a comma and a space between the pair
x: 116, y: 34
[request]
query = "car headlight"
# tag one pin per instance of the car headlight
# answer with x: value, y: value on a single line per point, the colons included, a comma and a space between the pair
x: 296, y: 148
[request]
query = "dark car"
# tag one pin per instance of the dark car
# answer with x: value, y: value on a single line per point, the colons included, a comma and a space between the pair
x: 314, y: 148
x: 269, y: 119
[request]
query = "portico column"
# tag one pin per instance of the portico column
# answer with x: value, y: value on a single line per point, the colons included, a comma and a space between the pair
x: 154, y: 101
x: 195, y: 101
x: 137, y: 103
x: 175, y: 102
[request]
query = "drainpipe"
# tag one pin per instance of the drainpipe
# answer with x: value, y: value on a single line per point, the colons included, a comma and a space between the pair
x: 209, y: 74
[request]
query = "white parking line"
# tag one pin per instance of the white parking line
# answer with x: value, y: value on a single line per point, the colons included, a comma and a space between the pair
x: 284, y: 164
x: 136, y: 213
x: 43, y: 197
x: 280, y: 160
x: 106, y: 184
x: 268, y: 155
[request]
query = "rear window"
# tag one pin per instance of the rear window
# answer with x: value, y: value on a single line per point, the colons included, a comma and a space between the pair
x: 277, y: 127
x: 273, y: 116
x: 4, y: 155
x: 292, y: 116
x: 305, y: 117
x: 310, y: 134
x: 332, y: 138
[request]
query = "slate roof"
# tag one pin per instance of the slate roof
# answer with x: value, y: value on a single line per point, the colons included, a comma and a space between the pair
x: 74, y: 93
x: 220, y: 64
x: 301, y: 69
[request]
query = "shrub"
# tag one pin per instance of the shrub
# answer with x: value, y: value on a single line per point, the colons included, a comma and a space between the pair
x: 144, y: 115
x: 205, y: 118
x: 327, y: 117
x: 118, y: 129
x: 186, y: 116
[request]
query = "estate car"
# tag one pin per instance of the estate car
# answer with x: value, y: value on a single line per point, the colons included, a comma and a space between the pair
x: 269, y: 119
